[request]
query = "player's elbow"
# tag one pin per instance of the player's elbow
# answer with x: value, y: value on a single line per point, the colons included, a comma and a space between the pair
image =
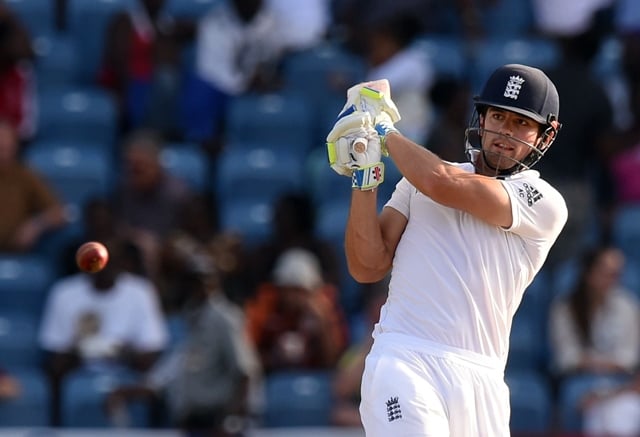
x: 366, y: 275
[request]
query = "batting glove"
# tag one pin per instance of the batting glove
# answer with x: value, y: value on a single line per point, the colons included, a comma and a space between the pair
x: 373, y: 97
x: 353, y: 148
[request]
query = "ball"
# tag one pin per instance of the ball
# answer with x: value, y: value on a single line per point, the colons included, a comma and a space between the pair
x: 92, y: 256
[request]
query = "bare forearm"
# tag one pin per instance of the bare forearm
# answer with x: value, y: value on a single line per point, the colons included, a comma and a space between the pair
x: 425, y: 170
x: 367, y: 256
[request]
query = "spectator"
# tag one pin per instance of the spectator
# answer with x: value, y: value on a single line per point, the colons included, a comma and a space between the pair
x: 612, y: 411
x: 196, y: 233
x: 148, y: 198
x: 239, y: 47
x: 391, y: 55
x: 293, y: 225
x: 596, y: 328
x: 17, y: 78
x: 349, y: 369
x: 107, y: 318
x: 209, y: 377
x: 293, y: 320
x: 30, y: 208
x: 142, y: 64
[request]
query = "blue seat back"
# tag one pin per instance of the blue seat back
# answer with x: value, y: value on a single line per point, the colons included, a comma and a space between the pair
x: 296, y: 399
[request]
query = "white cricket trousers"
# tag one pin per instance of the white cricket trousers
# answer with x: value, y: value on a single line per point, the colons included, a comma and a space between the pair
x: 416, y: 388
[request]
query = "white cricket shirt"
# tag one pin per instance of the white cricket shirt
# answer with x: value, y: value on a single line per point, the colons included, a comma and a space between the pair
x: 456, y: 280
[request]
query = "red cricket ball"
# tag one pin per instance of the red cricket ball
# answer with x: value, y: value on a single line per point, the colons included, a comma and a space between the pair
x: 92, y: 256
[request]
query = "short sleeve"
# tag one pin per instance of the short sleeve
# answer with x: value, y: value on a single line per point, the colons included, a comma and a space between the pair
x: 401, y: 197
x: 539, y: 211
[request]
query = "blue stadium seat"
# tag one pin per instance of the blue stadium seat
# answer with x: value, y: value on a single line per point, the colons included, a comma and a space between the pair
x: 525, y: 343
x: 507, y: 18
x: 31, y: 408
x: 86, y: 114
x: 625, y: 231
x: 87, y: 25
x: 331, y: 220
x: 250, y: 217
x: 83, y: 396
x: 189, y: 8
x: 322, y: 72
x: 56, y: 60
x: 297, y: 399
x: 322, y: 76
x: 492, y: 53
x: 284, y: 121
x: 188, y: 162
x: 324, y: 185
x: 24, y: 283
x: 37, y: 16
x: 571, y: 392
x: 75, y: 171
x: 19, y: 339
x: 256, y: 171
x: 447, y: 54
x: 531, y: 403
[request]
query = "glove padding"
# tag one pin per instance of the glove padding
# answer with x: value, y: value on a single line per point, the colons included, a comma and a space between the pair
x: 344, y: 152
x: 373, y: 97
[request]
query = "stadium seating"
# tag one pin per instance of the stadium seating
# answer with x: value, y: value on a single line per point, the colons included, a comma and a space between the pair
x: 31, y: 408
x: 507, y: 18
x: 625, y: 231
x: 297, y: 399
x: 571, y: 392
x: 531, y: 403
x: 76, y: 171
x: 87, y: 23
x: 189, y: 8
x: 282, y: 120
x: 491, y: 53
x: 83, y: 397
x: 77, y: 113
x: 56, y: 61
x: 18, y: 339
x: 188, y: 162
x: 24, y: 282
x: 38, y: 16
x: 331, y: 220
x: 322, y: 76
x: 447, y: 54
x: 324, y: 185
x: 256, y: 171
x: 250, y: 217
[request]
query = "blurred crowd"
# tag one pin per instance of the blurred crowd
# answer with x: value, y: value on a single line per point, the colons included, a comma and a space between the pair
x: 193, y: 320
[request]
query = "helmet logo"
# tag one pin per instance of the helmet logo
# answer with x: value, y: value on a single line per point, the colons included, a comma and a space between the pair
x: 512, y: 91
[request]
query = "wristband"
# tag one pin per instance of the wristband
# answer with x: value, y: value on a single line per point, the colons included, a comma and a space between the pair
x: 369, y: 177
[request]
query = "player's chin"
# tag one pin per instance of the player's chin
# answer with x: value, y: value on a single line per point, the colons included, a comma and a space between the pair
x: 500, y: 159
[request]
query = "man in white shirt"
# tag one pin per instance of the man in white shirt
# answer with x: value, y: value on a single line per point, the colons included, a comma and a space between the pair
x: 462, y: 242
x: 107, y: 318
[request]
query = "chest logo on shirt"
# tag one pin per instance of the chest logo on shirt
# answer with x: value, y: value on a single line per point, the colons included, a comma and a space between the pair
x: 393, y: 409
x: 530, y: 193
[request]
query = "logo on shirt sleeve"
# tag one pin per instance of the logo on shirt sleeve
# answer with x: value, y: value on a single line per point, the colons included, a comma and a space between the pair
x: 393, y: 409
x: 530, y: 193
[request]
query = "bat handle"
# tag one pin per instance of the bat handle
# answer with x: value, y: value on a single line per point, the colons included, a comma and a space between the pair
x: 360, y: 145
